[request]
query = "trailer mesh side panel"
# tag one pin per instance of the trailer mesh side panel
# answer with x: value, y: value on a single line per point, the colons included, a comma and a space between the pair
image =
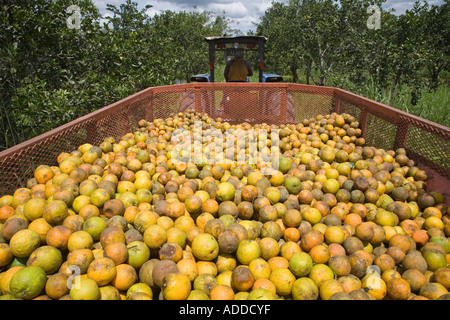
x: 275, y: 103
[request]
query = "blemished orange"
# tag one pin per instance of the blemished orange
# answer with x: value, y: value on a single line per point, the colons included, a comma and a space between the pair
x: 102, y: 270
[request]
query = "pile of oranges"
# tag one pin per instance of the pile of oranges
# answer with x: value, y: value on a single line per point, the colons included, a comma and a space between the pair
x: 175, y: 211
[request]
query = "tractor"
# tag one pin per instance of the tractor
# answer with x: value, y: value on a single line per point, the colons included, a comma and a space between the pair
x: 234, y: 46
x: 265, y: 102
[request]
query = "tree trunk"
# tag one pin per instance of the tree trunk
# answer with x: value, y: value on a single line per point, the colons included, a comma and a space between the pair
x: 434, y: 72
x: 294, y: 74
x: 308, y: 72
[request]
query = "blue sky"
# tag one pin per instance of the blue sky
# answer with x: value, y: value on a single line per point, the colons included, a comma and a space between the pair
x: 242, y: 13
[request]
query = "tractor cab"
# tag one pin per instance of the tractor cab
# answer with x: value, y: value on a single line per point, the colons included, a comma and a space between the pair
x: 236, y: 46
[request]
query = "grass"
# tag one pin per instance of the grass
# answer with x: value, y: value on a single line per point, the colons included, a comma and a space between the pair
x: 431, y: 105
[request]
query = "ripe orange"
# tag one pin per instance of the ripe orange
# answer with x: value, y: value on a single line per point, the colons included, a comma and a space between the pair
x: 291, y: 234
x: 311, y: 239
x: 283, y: 279
x: 222, y: 292
x: 320, y: 253
x: 58, y: 237
x: 321, y: 272
x: 125, y: 277
x: 263, y: 283
x: 176, y: 286
x: 330, y: 287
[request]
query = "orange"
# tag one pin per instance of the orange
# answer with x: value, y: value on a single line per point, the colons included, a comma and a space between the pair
x: 398, y: 289
x: 433, y: 290
x: 320, y: 254
x: 311, y: 239
x: 352, y: 219
x: 125, y: 277
x: 225, y: 262
x: 374, y: 285
x: 278, y: 262
x: 334, y: 234
x: 48, y: 258
x: 56, y: 286
x: 24, y: 242
x: 330, y: 287
x: 287, y: 249
x: 130, y: 213
x: 320, y: 272
x: 112, y: 234
x: 80, y: 240
x: 6, y: 212
x: 415, y: 278
x: 6, y: 278
x: 88, y: 211
x: 222, y: 292
x: 80, y: 258
x: 259, y: 268
x: 340, y: 264
x: 242, y: 279
x: 117, y: 252
x: 305, y: 289
x: 224, y: 277
x: 74, y: 222
x: 350, y: 283
x: 291, y: 234
x: 207, y: 267
x: 55, y: 212
x: 42, y: 227
x: 87, y: 289
x: 34, y: 208
x: 336, y: 249
x: 43, y: 173
x: 176, y: 286
x: 312, y: 215
x: 269, y: 248
x: 263, y: 283
x: 58, y: 237
x: 401, y: 241
x: 144, y: 219
x: 102, y: 271
x: 283, y: 279
x: 6, y: 255
x: 188, y: 267
x: 442, y: 276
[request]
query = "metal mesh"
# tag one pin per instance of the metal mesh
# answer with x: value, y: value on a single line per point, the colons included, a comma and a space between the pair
x: 274, y: 103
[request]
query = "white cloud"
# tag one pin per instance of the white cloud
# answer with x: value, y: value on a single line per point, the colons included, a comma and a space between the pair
x: 242, y: 14
x: 233, y: 9
x: 401, y: 6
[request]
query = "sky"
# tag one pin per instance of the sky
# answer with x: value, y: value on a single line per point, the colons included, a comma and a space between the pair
x: 243, y: 14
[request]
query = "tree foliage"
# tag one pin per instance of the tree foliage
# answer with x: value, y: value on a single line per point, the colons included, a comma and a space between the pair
x: 51, y: 73
x: 335, y: 39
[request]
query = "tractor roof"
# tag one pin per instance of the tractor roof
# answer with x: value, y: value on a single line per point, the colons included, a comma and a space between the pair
x: 239, y: 39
